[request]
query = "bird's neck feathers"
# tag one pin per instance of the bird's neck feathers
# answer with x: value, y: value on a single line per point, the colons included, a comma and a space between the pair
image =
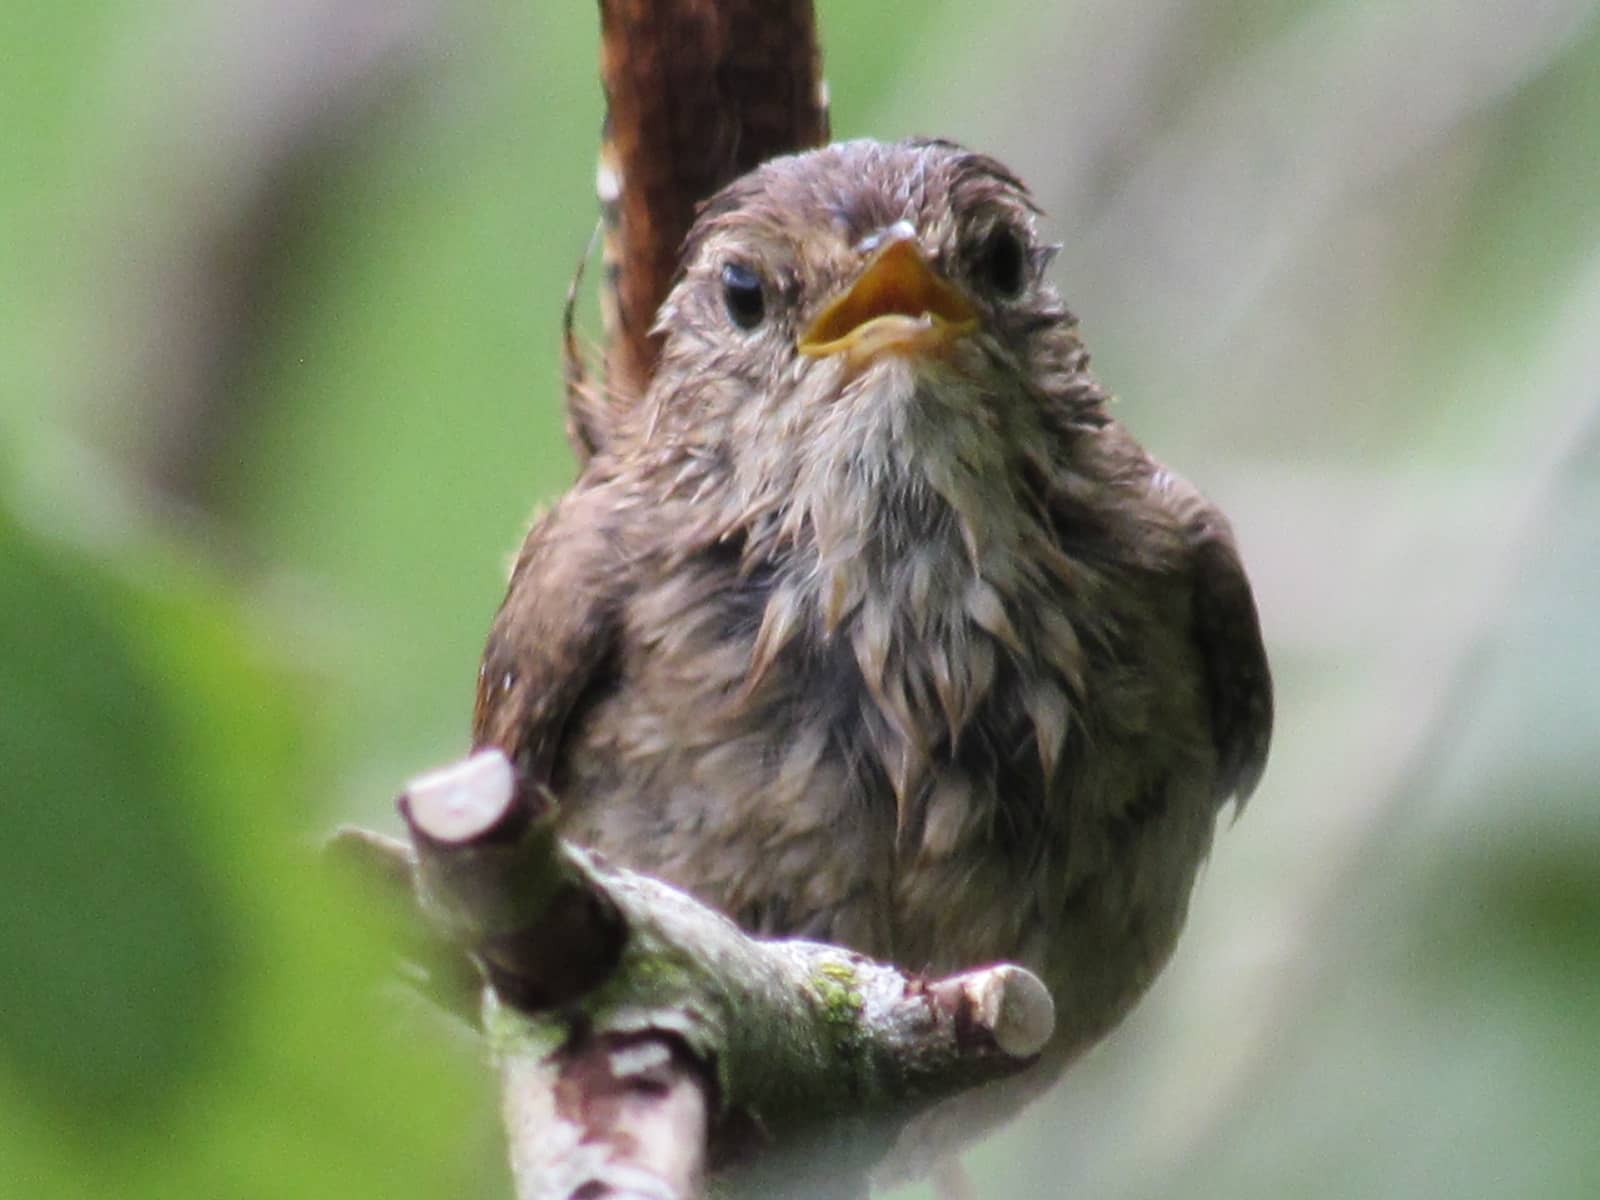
x: 913, y: 533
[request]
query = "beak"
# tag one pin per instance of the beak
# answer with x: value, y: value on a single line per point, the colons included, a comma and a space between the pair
x: 898, y: 304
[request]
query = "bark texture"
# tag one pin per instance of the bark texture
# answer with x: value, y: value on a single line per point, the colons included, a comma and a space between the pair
x: 644, y: 1041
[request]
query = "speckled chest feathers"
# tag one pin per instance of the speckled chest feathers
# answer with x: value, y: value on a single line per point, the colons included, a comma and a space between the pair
x: 868, y: 623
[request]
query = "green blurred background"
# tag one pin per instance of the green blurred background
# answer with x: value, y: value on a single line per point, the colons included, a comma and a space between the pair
x: 279, y: 388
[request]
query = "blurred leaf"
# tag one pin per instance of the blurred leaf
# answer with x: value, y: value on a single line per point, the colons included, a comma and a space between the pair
x: 190, y: 1007
x: 117, y: 945
x: 1529, y: 219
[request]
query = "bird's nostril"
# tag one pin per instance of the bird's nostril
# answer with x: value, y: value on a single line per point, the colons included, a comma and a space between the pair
x: 901, y: 230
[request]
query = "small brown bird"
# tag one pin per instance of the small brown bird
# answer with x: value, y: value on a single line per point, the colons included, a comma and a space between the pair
x: 870, y: 624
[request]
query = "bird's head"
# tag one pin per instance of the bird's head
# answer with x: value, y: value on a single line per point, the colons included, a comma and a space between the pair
x: 864, y: 314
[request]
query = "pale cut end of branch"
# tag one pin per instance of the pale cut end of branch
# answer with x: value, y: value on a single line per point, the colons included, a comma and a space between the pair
x: 1003, y: 1008
x: 463, y: 802
x: 1015, y: 1007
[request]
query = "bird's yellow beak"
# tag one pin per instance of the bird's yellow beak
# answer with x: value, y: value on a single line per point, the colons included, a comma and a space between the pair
x: 898, y: 304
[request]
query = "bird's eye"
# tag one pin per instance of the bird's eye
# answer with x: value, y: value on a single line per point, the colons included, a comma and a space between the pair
x: 743, y: 295
x: 1002, y: 263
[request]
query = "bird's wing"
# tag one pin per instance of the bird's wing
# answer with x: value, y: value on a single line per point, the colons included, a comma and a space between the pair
x: 1228, y: 633
x: 554, y: 633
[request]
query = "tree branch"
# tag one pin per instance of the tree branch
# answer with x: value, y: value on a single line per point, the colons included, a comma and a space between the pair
x: 697, y: 93
x: 643, y: 1039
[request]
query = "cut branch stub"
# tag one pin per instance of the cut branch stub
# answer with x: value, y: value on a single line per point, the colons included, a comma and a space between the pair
x: 491, y: 872
x: 1005, y: 1004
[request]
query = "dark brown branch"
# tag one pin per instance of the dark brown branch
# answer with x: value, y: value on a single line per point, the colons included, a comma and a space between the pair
x: 698, y: 92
